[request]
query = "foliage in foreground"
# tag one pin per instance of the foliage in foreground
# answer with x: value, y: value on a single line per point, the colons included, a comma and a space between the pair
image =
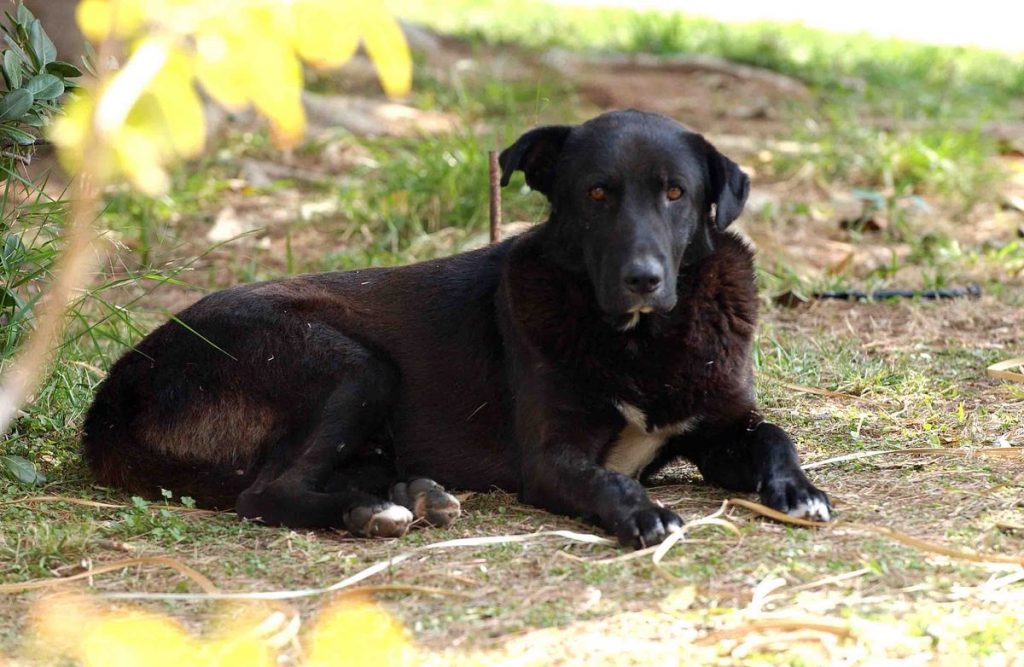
x: 30, y: 219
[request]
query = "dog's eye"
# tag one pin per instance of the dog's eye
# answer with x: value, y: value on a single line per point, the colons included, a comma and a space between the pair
x: 674, y: 193
x: 597, y: 193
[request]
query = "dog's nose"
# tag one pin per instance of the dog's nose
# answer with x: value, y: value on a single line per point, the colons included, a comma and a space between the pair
x: 643, y: 276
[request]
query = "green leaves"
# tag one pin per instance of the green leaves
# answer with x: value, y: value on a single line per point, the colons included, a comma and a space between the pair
x: 20, y: 137
x: 45, y: 87
x: 20, y: 469
x: 34, y: 78
x: 15, y: 104
x: 63, y: 69
x: 12, y: 69
x: 43, y: 50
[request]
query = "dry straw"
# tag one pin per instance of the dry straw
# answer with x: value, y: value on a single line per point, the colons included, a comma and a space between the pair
x: 1004, y: 370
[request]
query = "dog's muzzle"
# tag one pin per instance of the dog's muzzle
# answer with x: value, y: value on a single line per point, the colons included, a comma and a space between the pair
x: 645, y: 286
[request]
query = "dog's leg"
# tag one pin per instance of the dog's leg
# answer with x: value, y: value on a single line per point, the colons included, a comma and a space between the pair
x: 561, y: 474
x: 572, y: 483
x: 310, y: 492
x: 757, y: 456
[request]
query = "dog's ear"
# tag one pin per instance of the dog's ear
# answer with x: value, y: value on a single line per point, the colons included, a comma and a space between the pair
x: 729, y: 187
x: 535, y: 154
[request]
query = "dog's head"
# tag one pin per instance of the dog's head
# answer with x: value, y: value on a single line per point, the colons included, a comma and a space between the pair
x: 634, y: 196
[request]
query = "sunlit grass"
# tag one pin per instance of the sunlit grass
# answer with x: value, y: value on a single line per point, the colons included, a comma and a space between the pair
x: 902, y: 78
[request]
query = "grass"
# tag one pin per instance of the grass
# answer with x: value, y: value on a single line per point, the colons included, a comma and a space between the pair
x: 932, y: 159
x: 425, y: 186
x: 905, y: 373
x: 931, y: 80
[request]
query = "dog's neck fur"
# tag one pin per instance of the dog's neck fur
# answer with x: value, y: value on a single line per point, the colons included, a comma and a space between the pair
x: 556, y: 249
x: 653, y: 366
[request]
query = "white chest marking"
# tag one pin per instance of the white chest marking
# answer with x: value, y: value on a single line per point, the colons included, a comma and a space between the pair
x: 636, y: 445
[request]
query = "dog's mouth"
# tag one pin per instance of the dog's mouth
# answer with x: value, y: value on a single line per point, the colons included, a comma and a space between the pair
x: 625, y: 305
x: 632, y: 317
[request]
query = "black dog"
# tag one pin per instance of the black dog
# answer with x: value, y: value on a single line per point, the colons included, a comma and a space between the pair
x: 564, y: 364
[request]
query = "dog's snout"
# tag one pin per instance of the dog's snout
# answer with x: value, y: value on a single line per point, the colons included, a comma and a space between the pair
x: 643, y: 276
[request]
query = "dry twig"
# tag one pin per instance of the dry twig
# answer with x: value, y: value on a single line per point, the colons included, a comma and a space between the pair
x: 1002, y: 370
x: 495, y: 193
x: 162, y: 561
x: 1004, y: 452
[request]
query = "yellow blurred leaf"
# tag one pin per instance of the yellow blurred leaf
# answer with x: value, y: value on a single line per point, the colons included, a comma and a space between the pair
x: 358, y: 632
x: 68, y: 131
x: 242, y: 53
x: 325, y: 33
x: 135, y: 639
x: 59, y: 623
x: 242, y: 60
x: 180, y: 106
x: 387, y: 48
x: 218, y: 72
x: 75, y: 628
x: 241, y: 651
x: 140, y: 154
x: 135, y: 150
x: 99, y: 18
x: 277, y: 93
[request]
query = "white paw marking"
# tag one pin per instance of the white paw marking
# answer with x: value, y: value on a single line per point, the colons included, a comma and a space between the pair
x: 814, y: 510
x: 395, y: 513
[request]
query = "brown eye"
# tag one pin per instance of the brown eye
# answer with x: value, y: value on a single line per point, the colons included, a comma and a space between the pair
x: 674, y: 193
x: 597, y: 193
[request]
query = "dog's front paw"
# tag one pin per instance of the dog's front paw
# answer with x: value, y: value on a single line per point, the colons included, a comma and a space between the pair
x: 646, y: 527
x: 797, y: 497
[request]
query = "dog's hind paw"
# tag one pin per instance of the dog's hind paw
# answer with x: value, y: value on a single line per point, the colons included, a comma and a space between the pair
x: 388, y: 520
x: 428, y: 501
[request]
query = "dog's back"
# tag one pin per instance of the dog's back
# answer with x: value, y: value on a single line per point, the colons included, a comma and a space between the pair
x: 233, y: 384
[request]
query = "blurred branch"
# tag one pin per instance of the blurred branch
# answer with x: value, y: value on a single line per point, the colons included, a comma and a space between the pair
x: 36, y: 354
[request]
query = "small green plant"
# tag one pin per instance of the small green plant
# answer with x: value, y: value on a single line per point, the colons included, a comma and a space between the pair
x: 159, y: 523
x: 34, y: 79
x: 29, y: 218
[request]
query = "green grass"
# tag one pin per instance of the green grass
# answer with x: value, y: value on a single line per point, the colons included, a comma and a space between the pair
x: 933, y: 158
x: 483, y: 93
x: 929, y: 81
x: 417, y: 188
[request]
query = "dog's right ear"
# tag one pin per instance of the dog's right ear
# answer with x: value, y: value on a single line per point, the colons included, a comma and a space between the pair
x: 535, y: 154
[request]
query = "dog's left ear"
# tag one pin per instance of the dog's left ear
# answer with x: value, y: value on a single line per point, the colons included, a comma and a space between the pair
x: 535, y: 154
x: 729, y: 187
